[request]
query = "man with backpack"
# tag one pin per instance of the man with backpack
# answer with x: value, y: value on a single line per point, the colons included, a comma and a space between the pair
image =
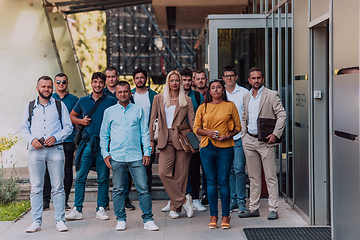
x: 45, y: 125
x: 62, y: 94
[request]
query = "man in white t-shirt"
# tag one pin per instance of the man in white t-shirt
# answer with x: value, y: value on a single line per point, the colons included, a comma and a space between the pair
x: 143, y: 96
x: 237, y: 180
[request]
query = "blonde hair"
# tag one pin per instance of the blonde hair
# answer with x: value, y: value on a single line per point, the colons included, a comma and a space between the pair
x: 166, y: 92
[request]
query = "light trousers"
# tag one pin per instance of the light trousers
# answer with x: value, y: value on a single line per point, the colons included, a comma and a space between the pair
x: 259, y: 153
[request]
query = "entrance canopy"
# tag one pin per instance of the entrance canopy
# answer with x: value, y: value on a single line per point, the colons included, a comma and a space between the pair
x: 170, y: 14
x: 75, y: 6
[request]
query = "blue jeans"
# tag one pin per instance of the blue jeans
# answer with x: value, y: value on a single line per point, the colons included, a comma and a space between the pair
x: 102, y: 178
x: 55, y: 159
x: 138, y: 174
x: 217, y: 163
x: 237, y: 174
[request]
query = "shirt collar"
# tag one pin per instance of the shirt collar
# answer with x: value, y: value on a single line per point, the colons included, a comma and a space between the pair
x: 259, y: 91
x: 56, y: 94
x: 236, y: 89
x: 107, y: 90
x: 103, y: 96
x: 190, y: 92
x: 51, y: 101
x: 127, y: 107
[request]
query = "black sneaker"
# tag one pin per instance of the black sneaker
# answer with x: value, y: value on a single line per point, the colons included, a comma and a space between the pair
x: 248, y: 214
x: 67, y: 207
x: 46, y: 206
x: 205, y: 201
x: 107, y: 207
x: 128, y: 205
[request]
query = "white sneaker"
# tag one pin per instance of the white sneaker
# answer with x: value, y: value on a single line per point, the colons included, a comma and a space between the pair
x: 61, y: 227
x: 188, y: 207
x: 34, y: 227
x: 198, y: 206
x: 151, y: 226
x: 166, y: 208
x: 173, y: 215
x: 74, y: 215
x: 120, y: 226
x: 101, y: 214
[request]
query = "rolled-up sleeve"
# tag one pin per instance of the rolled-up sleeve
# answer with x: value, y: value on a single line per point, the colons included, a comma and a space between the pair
x: 105, y: 135
x: 198, y: 118
x: 154, y: 115
x: 145, y: 138
x: 25, y: 126
x: 67, y: 125
x: 235, y: 117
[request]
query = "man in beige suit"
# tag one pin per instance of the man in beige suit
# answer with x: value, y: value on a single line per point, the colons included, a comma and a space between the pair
x: 261, y: 102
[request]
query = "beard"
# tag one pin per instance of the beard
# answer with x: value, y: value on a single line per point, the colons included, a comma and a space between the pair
x: 43, y: 96
x: 140, y: 85
x: 187, y: 87
x: 100, y: 91
x: 257, y: 87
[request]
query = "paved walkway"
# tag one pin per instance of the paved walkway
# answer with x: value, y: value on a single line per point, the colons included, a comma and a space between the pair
x: 184, y: 228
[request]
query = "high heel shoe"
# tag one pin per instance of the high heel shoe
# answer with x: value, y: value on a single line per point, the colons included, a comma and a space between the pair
x: 213, y: 222
x: 225, y: 223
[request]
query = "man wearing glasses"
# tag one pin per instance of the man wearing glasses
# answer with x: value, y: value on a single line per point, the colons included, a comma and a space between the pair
x: 237, y: 180
x: 61, y: 85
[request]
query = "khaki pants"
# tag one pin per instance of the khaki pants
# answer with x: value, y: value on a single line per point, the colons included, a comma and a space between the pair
x: 258, y: 152
x: 174, y: 182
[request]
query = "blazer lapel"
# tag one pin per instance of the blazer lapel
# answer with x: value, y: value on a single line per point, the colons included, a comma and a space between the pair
x: 177, y: 109
x: 246, y: 107
x: 262, y: 99
x: 162, y: 109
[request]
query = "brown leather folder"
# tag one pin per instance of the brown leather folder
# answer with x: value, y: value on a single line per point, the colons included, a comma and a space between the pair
x: 265, y: 128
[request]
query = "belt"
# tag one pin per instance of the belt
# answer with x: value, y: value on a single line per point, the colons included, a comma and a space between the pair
x: 253, y: 135
x: 53, y: 145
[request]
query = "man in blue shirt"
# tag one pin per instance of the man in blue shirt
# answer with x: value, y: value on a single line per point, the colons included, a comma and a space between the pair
x: 124, y: 136
x: 45, y: 127
x: 112, y: 78
x: 61, y: 84
x: 89, y: 147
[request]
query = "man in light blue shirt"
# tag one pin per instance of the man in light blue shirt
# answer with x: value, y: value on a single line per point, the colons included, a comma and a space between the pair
x: 237, y: 180
x: 46, y: 127
x: 123, y: 130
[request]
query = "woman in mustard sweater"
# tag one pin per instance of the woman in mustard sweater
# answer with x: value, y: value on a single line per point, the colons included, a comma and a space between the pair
x: 217, y: 121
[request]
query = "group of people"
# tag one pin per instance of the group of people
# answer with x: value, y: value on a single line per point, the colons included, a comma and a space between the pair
x: 117, y: 126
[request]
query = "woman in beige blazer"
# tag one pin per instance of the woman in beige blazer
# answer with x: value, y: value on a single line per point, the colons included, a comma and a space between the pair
x: 173, y: 108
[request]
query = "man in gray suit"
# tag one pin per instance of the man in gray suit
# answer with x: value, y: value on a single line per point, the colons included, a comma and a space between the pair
x: 261, y: 102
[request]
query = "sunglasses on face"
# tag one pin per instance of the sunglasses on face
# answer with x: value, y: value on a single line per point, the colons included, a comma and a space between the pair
x: 63, y: 82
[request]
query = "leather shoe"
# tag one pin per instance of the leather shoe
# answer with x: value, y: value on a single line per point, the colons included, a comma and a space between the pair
x: 248, y: 213
x: 273, y: 215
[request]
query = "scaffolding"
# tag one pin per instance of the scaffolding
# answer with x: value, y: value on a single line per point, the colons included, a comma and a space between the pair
x: 135, y: 41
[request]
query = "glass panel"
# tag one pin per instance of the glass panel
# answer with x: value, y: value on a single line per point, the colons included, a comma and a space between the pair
x: 243, y: 49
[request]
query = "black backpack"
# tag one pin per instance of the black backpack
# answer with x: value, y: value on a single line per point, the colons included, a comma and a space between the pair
x: 58, y: 108
x: 197, y: 97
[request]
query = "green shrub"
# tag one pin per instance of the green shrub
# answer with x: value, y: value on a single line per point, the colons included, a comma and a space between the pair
x: 6, y: 142
x: 9, y: 189
x: 10, y: 212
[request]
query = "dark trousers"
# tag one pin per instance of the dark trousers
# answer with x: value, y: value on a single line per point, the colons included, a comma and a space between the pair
x: 193, y: 185
x: 69, y: 148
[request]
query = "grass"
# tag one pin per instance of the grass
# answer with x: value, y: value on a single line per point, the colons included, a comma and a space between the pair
x: 10, y: 212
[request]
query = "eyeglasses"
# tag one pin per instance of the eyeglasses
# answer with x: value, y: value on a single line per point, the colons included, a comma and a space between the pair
x: 229, y: 76
x: 59, y: 81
